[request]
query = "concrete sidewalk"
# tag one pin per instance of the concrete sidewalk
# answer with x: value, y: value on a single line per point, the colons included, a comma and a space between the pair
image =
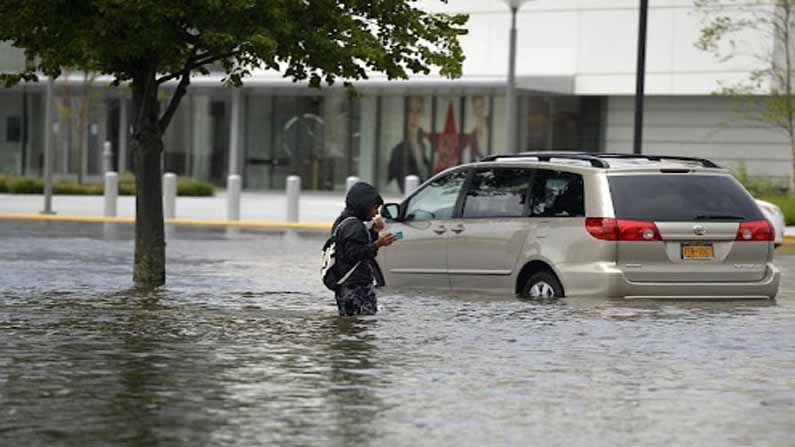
x: 314, y: 207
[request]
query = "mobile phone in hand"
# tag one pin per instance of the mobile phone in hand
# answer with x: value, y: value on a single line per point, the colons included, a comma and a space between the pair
x: 398, y: 235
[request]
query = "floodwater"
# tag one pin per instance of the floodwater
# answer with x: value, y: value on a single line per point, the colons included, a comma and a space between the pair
x: 243, y: 347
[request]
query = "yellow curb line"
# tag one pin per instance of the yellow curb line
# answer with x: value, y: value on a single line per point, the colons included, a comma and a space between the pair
x: 265, y: 224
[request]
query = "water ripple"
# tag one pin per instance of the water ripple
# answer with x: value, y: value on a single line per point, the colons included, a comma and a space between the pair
x: 243, y: 347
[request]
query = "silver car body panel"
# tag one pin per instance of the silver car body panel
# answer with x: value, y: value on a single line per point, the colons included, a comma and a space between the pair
x: 421, y: 257
x: 776, y: 217
x: 490, y: 254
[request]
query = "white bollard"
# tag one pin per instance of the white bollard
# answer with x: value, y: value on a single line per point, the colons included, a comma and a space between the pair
x: 107, y: 158
x: 111, y: 193
x: 170, y: 195
x: 350, y: 181
x: 233, y: 197
x: 411, y: 183
x: 293, y: 194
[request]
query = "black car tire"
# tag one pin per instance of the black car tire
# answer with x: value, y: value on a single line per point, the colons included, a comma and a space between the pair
x: 542, y: 285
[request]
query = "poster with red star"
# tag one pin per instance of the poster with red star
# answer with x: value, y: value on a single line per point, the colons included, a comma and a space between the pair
x: 448, y: 139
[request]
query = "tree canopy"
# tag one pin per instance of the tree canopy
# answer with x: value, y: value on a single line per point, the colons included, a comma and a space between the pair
x: 316, y: 41
x: 151, y: 42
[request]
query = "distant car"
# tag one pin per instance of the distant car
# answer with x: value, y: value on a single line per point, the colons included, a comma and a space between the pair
x: 554, y: 224
x: 774, y: 214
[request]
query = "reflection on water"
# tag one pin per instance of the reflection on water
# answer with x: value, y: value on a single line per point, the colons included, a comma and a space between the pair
x: 244, y: 348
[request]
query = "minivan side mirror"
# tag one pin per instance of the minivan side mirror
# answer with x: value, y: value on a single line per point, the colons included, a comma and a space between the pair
x: 391, y: 211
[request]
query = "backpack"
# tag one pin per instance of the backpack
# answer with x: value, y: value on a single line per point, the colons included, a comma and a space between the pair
x: 328, y: 273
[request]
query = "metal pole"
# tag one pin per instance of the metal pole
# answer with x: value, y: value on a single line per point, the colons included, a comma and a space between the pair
x: 234, y: 133
x: 640, y: 76
x: 510, y: 91
x: 124, y: 132
x: 48, y: 148
x: 24, y: 137
x: 107, y: 157
x: 293, y: 194
x: 233, y: 181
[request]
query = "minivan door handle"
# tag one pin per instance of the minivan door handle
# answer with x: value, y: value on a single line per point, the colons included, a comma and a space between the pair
x: 458, y: 228
x: 440, y: 229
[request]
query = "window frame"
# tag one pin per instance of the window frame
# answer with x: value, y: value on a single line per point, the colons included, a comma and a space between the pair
x: 404, y: 206
x: 459, y: 214
x: 539, y: 174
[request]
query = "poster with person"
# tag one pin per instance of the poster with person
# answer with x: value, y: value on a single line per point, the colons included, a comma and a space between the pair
x: 411, y: 154
x: 478, y: 125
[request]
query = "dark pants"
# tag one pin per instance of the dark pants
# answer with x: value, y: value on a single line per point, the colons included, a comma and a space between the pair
x: 356, y: 300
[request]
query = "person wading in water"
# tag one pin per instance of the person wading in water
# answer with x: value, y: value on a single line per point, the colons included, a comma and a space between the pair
x: 357, y: 248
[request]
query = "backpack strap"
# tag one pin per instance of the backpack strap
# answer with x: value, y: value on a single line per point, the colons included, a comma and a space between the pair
x: 348, y: 275
x: 339, y: 225
x: 334, y: 236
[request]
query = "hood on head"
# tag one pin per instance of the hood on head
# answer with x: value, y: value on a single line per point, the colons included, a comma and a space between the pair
x: 361, y: 198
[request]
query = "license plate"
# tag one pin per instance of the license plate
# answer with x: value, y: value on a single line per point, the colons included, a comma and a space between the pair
x: 698, y: 251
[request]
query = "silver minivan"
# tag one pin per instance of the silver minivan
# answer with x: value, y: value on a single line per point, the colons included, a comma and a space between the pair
x: 548, y: 224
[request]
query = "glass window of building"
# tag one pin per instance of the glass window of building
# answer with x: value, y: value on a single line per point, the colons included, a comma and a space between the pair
x: 538, y: 135
x: 258, y: 160
x: 176, y: 141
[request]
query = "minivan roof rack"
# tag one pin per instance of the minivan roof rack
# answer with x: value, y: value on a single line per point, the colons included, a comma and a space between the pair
x: 547, y: 155
x: 703, y: 161
x: 599, y: 159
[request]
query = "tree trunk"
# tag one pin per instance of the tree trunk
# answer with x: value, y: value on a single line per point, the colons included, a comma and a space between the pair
x: 149, y: 270
x: 792, y: 175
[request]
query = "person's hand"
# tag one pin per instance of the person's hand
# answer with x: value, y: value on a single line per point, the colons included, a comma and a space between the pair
x: 385, y: 240
x: 378, y: 224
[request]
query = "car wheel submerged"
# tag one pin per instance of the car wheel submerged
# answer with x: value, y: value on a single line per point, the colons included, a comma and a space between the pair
x: 543, y: 286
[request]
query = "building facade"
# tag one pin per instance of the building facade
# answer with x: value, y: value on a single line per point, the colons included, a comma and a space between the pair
x: 575, y: 77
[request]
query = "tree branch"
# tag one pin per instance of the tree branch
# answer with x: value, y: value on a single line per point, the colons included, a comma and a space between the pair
x: 182, y: 88
x: 197, y: 63
x: 173, y: 104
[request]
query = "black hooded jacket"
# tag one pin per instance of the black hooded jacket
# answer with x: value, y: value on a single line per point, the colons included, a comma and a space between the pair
x: 355, y: 242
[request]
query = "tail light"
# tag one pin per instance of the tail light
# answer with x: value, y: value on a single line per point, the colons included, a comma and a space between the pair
x: 609, y: 229
x: 602, y: 228
x: 638, y: 230
x: 755, y: 230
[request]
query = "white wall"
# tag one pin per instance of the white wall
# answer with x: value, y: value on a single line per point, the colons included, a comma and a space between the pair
x: 699, y: 126
x: 596, y: 42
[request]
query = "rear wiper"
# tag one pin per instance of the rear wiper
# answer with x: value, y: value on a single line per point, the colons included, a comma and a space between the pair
x: 718, y: 217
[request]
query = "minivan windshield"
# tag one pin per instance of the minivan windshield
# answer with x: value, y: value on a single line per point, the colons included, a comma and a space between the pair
x: 681, y: 197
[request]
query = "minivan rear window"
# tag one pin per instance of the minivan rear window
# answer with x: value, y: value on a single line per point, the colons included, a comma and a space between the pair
x: 681, y: 197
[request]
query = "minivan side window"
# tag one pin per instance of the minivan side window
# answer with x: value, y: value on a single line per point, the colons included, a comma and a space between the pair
x: 557, y: 194
x: 436, y: 200
x: 499, y: 192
